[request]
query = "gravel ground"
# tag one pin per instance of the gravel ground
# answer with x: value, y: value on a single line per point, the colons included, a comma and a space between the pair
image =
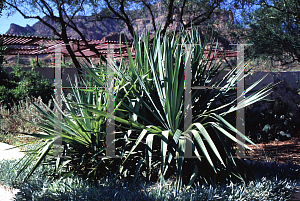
x: 9, y: 154
x: 8, y: 194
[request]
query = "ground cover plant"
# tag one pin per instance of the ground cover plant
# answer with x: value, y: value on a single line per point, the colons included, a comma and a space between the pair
x: 149, y: 113
x: 277, y: 184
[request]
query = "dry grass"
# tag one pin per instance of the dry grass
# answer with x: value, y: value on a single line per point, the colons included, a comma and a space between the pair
x: 12, y: 125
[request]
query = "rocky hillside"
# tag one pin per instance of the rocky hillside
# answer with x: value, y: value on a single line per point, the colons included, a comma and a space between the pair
x: 91, y: 30
x: 18, y: 30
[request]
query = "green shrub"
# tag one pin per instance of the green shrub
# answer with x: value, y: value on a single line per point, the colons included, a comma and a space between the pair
x: 275, y: 122
x: 23, y: 84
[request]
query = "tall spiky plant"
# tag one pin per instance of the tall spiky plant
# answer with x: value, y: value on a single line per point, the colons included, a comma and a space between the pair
x: 149, y: 113
x: 82, y: 136
x: 154, y: 107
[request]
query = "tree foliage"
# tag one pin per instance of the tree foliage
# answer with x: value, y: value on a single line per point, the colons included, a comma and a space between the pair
x: 275, y: 31
x: 1, y: 7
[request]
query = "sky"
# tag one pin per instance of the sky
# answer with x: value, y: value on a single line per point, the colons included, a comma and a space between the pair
x: 16, y: 19
x: 19, y: 20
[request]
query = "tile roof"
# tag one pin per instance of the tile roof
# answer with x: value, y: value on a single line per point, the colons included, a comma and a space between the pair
x: 34, y: 45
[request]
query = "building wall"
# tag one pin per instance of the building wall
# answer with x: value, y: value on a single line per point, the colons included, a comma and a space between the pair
x: 286, y: 89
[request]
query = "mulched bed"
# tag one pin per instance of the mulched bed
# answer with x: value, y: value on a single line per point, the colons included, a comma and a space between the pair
x: 276, y: 151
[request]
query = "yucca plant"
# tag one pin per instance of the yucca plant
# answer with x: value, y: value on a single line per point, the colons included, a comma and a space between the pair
x: 153, y: 110
x: 82, y: 136
x: 149, y: 113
